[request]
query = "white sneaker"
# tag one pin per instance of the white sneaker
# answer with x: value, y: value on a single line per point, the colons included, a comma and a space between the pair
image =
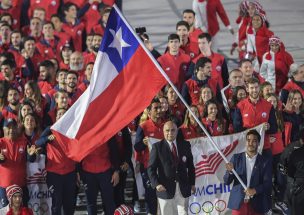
x: 136, y: 207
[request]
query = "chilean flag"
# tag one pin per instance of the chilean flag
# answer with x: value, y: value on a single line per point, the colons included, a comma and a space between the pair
x: 124, y: 81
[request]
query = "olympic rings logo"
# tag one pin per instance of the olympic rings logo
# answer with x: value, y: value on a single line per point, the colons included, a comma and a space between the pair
x: 208, y: 207
x: 39, y: 209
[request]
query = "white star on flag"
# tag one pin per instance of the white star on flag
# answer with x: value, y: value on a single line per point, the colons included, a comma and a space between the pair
x: 118, y: 42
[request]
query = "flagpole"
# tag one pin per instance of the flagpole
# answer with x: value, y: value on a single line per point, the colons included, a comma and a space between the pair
x: 180, y: 96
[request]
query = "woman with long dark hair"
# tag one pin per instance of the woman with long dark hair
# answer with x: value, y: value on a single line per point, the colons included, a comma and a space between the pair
x: 213, y: 120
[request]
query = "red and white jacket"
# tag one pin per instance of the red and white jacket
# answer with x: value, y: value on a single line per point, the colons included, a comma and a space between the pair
x: 275, y: 67
x: 257, y: 42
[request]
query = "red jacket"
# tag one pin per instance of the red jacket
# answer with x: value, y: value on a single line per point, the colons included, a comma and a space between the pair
x: 277, y: 146
x: 213, y: 127
x: 97, y: 161
x: 84, y: 85
x: 190, y: 132
x: 9, y: 113
x: 91, y: 17
x: 177, y: 110
x: 150, y: 129
x: 79, y: 3
x: 191, y: 48
x: 109, y: 2
x: 194, y: 89
x: 255, y: 114
x: 88, y: 58
x: 215, y: 8
x: 193, y: 36
x: 219, y: 67
x: 23, y: 211
x: 176, y: 67
x: 50, y: 49
x: 75, y: 31
x: 228, y: 94
x: 291, y: 85
x: 15, y: 12
x: 13, y: 169
x: 98, y: 29
x: 50, y: 6
x: 74, y: 96
x: 20, y: 61
x: 45, y: 87
x: 57, y: 161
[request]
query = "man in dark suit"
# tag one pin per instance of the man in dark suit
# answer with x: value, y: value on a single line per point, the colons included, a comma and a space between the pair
x: 172, y: 172
x: 256, y: 172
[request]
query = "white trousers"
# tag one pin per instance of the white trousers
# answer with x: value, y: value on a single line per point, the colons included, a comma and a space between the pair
x: 176, y: 206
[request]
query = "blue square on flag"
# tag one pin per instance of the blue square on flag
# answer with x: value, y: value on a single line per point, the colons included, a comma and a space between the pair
x: 119, y: 42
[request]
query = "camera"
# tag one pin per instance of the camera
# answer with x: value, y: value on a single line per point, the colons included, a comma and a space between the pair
x: 140, y: 30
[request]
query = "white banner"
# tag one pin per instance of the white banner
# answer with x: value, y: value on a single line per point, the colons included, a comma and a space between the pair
x: 40, y: 197
x: 212, y: 195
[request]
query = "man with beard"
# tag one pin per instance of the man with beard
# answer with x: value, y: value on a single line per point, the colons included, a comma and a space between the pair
x: 254, y: 169
x: 201, y: 77
x: 16, y: 40
x: 15, y: 49
x: 77, y: 65
x: 71, y: 87
x: 97, y: 38
x: 189, y: 16
x: 247, y: 69
x: 253, y: 111
x: 8, y: 74
x: 47, y: 76
x: 11, y: 110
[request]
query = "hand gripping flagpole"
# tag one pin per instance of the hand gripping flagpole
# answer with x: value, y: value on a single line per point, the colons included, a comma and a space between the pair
x: 179, y: 95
